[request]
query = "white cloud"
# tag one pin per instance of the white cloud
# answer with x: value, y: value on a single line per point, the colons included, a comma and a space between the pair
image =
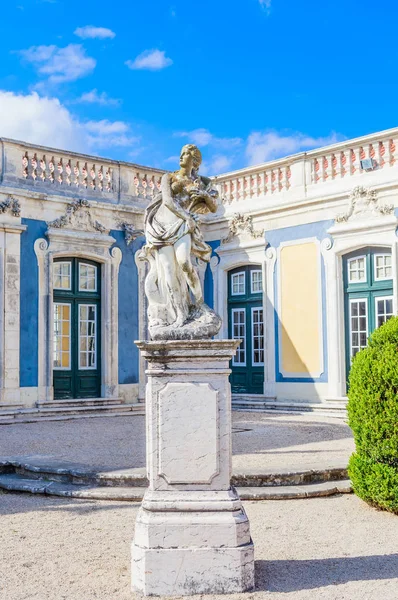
x: 203, y: 137
x: 109, y: 134
x: 151, y: 60
x: 217, y: 164
x: 92, y: 32
x: 269, y: 145
x: 266, y: 4
x: 94, y: 97
x: 60, y: 64
x: 47, y: 122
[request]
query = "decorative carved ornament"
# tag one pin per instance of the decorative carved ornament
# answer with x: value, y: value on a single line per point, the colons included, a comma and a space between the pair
x: 12, y: 205
x: 130, y: 233
x: 78, y: 217
x: 364, y: 202
x: 241, y: 224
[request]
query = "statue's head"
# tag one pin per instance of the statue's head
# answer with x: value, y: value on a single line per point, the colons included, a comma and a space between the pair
x: 191, y: 156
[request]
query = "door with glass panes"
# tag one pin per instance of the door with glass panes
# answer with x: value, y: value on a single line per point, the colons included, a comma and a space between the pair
x: 246, y: 323
x: 76, y: 328
x: 368, y: 286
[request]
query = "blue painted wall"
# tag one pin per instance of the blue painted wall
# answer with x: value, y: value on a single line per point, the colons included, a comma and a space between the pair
x: 209, y: 284
x: 275, y: 238
x: 128, y: 309
x: 29, y: 303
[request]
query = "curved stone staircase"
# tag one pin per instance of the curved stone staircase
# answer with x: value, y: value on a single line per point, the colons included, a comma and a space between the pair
x: 44, y: 475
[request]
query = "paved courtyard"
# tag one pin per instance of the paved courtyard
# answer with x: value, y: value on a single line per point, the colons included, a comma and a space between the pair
x: 260, y: 441
x: 322, y: 549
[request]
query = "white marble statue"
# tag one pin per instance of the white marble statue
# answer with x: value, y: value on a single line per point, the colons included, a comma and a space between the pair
x: 174, y: 241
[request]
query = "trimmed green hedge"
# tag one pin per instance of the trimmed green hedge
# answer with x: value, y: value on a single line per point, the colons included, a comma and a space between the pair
x: 373, y: 418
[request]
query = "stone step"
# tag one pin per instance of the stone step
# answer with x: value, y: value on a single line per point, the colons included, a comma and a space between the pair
x: 333, y: 409
x: 79, y: 402
x: 15, y: 483
x: 61, y: 414
x: 56, y: 470
x: 83, y: 409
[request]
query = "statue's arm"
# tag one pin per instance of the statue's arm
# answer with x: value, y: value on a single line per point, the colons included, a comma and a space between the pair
x: 168, y: 199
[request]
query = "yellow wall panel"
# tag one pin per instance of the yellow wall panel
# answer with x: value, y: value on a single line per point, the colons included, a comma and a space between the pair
x: 300, y: 309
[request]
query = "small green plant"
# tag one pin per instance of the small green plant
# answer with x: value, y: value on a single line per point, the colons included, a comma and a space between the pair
x: 373, y: 418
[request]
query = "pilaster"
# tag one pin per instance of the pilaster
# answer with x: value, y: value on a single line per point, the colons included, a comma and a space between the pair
x: 10, y: 277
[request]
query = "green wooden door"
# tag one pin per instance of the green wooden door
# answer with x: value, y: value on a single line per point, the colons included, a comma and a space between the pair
x: 246, y: 322
x: 76, y: 328
x: 368, y: 288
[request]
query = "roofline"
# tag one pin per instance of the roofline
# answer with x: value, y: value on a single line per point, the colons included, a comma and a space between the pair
x: 49, y: 149
x: 310, y: 153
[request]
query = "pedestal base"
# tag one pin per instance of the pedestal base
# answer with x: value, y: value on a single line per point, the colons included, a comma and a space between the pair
x: 192, y: 534
x: 189, y: 571
x: 189, y: 543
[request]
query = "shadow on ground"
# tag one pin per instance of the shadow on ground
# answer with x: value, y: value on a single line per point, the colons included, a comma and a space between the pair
x: 295, y: 575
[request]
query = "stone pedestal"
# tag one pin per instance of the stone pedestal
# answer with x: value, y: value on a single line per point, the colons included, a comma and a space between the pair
x: 192, y: 534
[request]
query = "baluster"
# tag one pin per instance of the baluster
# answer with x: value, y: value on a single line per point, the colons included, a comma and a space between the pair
x: 381, y: 152
x: 335, y: 166
x: 273, y: 180
x: 84, y: 175
x: 151, y: 185
x: 145, y: 185
x: 288, y: 176
x: 76, y: 172
x: 236, y: 189
x: 51, y: 166
x: 93, y: 177
x: 343, y: 163
x: 262, y: 183
x: 393, y: 151
x: 33, y: 163
x: 316, y: 170
x: 60, y: 169
x: 354, y: 160
x: 25, y: 164
x: 254, y: 185
x: 362, y: 156
x: 101, y: 178
x: 43, y: 168
x: 246, y: 186
x: 372, y: 152
x: 321, y: 169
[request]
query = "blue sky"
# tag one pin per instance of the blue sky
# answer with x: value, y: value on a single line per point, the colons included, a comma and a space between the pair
x: 248, y: 80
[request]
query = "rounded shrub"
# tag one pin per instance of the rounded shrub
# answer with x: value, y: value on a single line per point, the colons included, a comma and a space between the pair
x: 373, y: 418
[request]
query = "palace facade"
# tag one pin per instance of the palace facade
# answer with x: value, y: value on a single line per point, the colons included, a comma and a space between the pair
x: 304, y: 268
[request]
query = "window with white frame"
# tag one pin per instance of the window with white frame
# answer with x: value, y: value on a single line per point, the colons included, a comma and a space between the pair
x: 357, y: 270
x: 358, y: 325
x: 62, y: 336
x: 382, y: 267
x: 87, y: 336
x: 238, y: 286
x: 257, y: 336
x: 87, y: 278
x: 239, y: 333
x: 256, y: 279
x: 62, y: 275
x: 384, y: 309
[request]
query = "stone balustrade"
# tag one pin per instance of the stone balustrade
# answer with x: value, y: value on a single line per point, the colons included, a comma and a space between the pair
x: 335, y: 166
x: 47, y: 170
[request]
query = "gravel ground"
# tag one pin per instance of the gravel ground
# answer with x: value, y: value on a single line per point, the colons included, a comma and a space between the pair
x: 259, y: 441
x: 323, y: 549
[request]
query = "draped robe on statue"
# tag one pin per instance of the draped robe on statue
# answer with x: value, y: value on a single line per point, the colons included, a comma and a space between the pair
x: 161, y: 303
